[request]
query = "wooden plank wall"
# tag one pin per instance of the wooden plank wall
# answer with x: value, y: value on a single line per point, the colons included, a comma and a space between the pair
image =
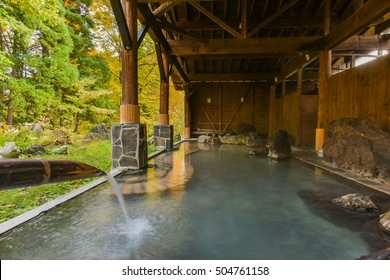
x: 286, y: 115
x: 363, y: 91
x: 214, y: 106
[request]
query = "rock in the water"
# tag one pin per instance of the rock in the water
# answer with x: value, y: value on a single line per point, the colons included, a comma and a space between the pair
x: 279, y: 146
x: 9, y: 150
x: 380, y: 255
x: 99, y: 131
x: 234, y: 139
x: 36, y: 150
x: 63, y: 150
x: 358, y: 145
x: 384, y: 222
x: 205, y: 139
x: 262, y: 151
x: 356, y: 202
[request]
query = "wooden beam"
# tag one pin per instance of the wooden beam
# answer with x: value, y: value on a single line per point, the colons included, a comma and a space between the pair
x: 142, y: 30
x: 160, y: 62
x: 164, y: 92
x: 290, y: 22
x: 361, y: 19
x: 214, y: 18
x: 159, y: 36
x: 163, y: 8
x: 122, y: 25
x: 272, y: 17
x: 277, y: 45
x: 294, y: 64
x: 382, y: 26
x: 365, y: 43
x: 226, y: 77
x: 170, y: 27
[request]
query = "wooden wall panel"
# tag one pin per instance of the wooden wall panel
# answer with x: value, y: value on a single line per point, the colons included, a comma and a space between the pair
x: 286, y: 117
x: 363, y: 91
x: 230, y: 111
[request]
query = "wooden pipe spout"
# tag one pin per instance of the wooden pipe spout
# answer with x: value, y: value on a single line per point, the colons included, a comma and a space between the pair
x: 16, y: 173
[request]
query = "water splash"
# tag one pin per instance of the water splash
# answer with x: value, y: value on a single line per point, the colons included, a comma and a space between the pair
x: 117, y: 189
x: 137, y: 228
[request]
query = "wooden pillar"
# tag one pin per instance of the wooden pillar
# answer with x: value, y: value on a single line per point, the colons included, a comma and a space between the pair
x: 325, y: 71
x: 163, y: 118
x: 298, y: 140
x: 272, y: 111
x: 129, y: 110
x: 187, y: 121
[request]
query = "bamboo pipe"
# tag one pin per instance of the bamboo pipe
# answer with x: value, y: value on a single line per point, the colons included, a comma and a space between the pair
x: 17, y: 173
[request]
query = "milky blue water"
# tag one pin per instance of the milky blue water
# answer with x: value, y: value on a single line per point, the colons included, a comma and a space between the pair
x: 206, y: 202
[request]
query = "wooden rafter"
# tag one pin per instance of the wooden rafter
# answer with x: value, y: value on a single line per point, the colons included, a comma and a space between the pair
x: 163, y: 8
x: 362, y: 18
x: 148, y: 16
x: 226, y: 77
x: 272, y: 17
x: 170, y: 27
x: 251, y: 23
x: 216, y: 19
x: 122, y: 24
x: 240, y: 46
x: 142, y: 30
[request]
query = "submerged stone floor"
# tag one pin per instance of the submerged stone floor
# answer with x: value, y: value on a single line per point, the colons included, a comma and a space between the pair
x: 309, y: 156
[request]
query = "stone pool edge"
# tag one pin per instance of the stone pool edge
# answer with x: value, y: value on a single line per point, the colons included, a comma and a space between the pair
x: 311, y: 158
x: 29, y: 215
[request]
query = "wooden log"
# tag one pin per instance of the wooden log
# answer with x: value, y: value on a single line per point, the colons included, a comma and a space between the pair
x: 16, y: 173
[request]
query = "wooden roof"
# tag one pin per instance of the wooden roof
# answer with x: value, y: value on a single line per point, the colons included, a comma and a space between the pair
x: 261, y: 40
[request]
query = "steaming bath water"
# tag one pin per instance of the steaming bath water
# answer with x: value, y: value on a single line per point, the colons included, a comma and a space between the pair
x: 206, y: 202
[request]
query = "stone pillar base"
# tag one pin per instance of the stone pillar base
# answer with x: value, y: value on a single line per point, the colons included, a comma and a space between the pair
x: 129, y: 146
x: 187, y: 133
x: 163, y: 137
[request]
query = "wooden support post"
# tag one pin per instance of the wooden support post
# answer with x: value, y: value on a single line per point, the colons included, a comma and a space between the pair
x: 129, y: 110
x: 272, y: 108
x: 244, y: 28
x: 187, y: 121
x: 163, y: 118
x: 298, y: 140
x: 220, y: 107
x: 325, y: 71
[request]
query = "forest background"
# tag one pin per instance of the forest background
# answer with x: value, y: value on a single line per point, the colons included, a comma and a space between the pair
x: 60, y: 68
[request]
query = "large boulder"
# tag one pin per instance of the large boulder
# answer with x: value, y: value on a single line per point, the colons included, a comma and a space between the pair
x: 9, y: 150
x: 356, y: 202
x: 379, y: 255
x: 279, y: 146
x: 99, y: 131
x: 384, y: 222
x: 358, y: 145
x: 235, y: 139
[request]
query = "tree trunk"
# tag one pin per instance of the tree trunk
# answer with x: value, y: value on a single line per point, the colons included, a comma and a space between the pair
x: 9, y: 119
x: 76, y: 122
